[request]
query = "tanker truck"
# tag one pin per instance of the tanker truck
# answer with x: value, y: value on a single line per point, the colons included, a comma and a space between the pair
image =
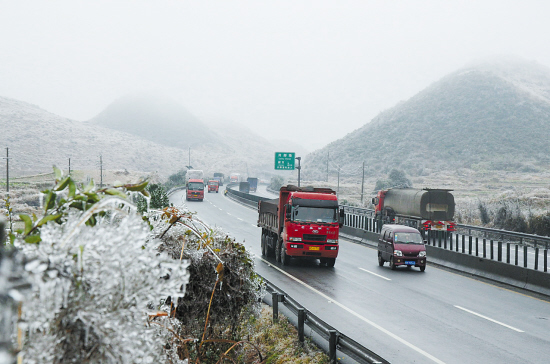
x: 424, y: 209
x: 303, y: 222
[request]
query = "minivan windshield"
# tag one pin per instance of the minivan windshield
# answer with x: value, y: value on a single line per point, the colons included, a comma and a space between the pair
x: 408, y: 238
x: 315, y: 214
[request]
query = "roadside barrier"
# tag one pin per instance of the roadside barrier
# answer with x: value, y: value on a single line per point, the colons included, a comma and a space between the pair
x: 336, y: 340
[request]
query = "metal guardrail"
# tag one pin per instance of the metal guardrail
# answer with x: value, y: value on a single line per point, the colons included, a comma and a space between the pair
x: 336, y: 340
x: 468, y: 239
x: 174, y: 189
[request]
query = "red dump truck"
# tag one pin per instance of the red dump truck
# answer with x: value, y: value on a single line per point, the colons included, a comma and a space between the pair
x: 303, y: 222
x: 424, y: 209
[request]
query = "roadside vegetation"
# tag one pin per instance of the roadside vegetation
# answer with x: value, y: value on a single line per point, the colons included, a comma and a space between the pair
x: 112, y: 285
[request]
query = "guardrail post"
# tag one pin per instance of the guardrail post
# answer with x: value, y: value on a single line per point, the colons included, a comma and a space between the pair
x: 463, y: 243
x: 275, y: 302
x: 517, y: 255
x: 439, y: 239
x: 500, y: 251
x: 470, y: 245
x: 525, y: 256
x: 301, y: 320
x: 536, y: 258
x: 508, y: 253
x: 450, y: 241
x: 484, y: 248
x: 545, y: 260
x: 492, y: 250
x: 477, y: 247
x: 456, y: 247
x: 332, y: 346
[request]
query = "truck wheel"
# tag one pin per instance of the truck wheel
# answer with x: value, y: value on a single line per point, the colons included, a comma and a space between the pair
x: 422, y: 269
x: 330, y: 262
x: 380, y: 260
x: 285, y: 259
x: 392, y: 265
x: 277, y: 252
x: 264, y: 253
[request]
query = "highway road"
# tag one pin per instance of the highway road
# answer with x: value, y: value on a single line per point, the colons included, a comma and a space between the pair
x: 405, y: 316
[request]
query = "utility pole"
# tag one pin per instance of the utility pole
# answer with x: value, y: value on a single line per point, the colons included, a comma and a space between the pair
x: 338, y: 189
x: 328, y: 155
x: 299, y: 168
x: 8, y: 203
x: 363, y: 183
x: 101, y: 171
x: 8, y: 171
x: 69, y: 166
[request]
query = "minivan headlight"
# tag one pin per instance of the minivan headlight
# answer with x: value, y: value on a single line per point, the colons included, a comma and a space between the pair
x: 398, y: 253
x: 332, y: 241
x: 422, y: 254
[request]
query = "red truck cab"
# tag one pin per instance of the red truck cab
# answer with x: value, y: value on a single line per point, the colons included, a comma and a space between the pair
x: 302, y: 222
x: 195, y: 190
x: 213, y: 186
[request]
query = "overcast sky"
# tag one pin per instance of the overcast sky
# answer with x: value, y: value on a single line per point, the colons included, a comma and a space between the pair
x: 307, y: 71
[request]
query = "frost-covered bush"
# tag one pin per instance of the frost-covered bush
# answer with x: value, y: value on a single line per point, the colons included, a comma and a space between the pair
x: 223, y: 289
x: 93, y: 286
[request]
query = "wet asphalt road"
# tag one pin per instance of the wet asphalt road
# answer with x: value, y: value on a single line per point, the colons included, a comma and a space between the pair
x: 405, y: 316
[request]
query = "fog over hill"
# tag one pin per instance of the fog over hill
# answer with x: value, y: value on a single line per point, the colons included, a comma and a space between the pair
x: 493, y: 115
x: 156, y: 118
x: 134, y: 133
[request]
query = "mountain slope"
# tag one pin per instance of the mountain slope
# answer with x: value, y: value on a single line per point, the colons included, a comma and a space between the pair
x: 159, y: 119
x: 490, y: 116
x: 38, y: 139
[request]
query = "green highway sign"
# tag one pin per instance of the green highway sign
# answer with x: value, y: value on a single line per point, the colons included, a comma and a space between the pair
x: 284, y: 160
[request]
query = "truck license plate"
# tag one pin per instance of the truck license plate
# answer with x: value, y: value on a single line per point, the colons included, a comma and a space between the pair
x: 313, y: 248
x: 410, y: 262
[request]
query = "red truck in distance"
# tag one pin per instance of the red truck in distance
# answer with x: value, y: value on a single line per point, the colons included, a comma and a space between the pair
x: 195, y: 190
x: 213, y: 186
x: 303, y: 222
x: 424, y: 209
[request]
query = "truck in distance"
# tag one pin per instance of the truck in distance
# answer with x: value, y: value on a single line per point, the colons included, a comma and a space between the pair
x: 218, y: 177
x: 195, y: 190
x: 253, y: 181
x: 235, y: 178
x: 213, y: 186
x: 424, y: 209
x: 302, y: 222
x: 244, y: 187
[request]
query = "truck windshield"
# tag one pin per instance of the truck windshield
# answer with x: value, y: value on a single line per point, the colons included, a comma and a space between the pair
x: 408, y: 238
x: 194, y: 186
x: 315, y: 214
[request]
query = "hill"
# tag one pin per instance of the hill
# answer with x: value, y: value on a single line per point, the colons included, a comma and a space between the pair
x: 156, y: 118
x: 38, y: 139
x: 493, y: 115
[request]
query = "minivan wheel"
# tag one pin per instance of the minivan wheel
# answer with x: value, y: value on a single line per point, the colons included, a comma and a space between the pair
x: 392, y: 265
x: 380, y: 261
x: 422, y: 269
x: 331, y: 262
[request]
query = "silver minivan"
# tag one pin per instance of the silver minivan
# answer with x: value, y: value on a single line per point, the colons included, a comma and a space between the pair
x: 401, y: 245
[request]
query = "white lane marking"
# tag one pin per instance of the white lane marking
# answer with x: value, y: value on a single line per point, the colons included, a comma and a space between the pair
x: 488, y: 318
x: 378, y: 275
x: 238, y: 218
x: 254, y: 225
x: 385, y: 331
x: 220, y: 208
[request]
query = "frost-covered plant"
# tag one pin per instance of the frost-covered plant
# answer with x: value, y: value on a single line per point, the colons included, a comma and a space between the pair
x: 223, y: 288
x: 94, y: 286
